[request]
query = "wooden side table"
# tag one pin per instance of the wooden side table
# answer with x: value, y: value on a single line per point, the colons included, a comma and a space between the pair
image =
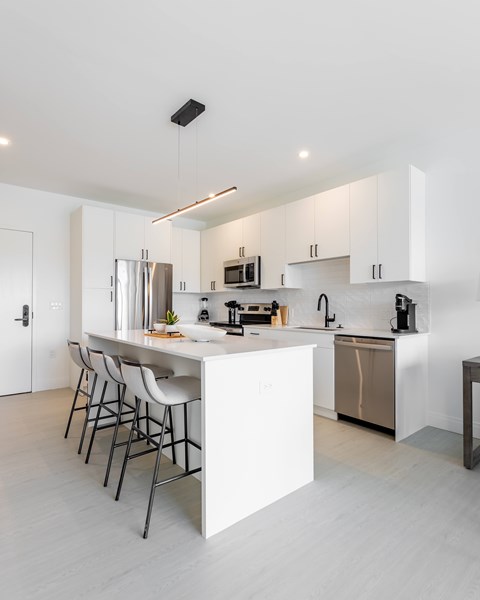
x: 471, y: 374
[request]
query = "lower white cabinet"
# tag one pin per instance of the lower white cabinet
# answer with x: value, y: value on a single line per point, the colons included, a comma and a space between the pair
x: 323, y: 363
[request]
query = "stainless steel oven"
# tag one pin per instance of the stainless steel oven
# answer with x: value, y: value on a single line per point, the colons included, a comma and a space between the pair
x: 242, y: 272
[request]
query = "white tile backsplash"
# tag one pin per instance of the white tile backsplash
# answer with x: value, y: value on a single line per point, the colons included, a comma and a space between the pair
x: 369, y: 306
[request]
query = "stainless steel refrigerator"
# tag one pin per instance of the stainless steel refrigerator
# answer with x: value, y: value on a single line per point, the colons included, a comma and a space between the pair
x: 143, y: 293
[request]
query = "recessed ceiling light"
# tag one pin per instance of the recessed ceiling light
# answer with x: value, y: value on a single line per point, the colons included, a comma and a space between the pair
x: 4, y: 141
x: 303, y: 154
x: 211, y: 195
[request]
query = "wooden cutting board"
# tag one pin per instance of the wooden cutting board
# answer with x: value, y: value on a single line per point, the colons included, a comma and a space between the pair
x: 175, y: 334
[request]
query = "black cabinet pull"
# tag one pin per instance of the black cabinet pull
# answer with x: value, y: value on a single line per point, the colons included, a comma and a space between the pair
x: 283, y: 279
x: 316, y: 250
x: 311, y: 250
x: 142, y: 254
x: 184, y: 286
x: 373, y: 272
x: 380, y: 271
x: 254, y: 333
x: 111, y: 280
x: 111, y: 296
x: 146, y: 254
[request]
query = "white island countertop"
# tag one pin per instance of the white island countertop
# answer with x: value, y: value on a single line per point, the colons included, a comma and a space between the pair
x: 226, y: 347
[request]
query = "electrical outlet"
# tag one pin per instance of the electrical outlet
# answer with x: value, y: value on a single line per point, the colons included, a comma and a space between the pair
x: 265, y: 387
x: 52, y: 354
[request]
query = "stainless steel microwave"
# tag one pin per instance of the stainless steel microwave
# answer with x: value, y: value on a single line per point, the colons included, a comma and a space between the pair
x: 242, y: 272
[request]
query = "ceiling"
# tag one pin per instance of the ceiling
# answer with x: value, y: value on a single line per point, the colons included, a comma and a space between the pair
x: 87, y: 88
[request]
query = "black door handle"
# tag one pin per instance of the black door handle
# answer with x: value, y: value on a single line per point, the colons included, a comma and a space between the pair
x: 25, y: 316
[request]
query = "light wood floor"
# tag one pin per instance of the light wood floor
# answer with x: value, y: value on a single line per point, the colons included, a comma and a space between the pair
x: 381, y: 521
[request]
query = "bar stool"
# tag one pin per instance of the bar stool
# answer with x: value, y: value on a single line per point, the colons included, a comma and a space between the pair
x: 107, y: 367
x: 79, y: 355
x: 177, y: 391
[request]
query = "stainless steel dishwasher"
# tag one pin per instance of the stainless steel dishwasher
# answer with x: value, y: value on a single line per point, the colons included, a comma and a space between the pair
x: 365, y: 379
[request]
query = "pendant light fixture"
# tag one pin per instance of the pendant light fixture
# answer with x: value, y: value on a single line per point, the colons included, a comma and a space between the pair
x: 185, y: 115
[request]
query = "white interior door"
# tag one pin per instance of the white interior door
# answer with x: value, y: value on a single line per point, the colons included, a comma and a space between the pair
x: 15, y: 311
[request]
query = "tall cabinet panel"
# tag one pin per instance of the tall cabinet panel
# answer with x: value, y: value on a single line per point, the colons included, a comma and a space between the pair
x: 332, y: 223
x: 91, y: 271
x: 300, y: 230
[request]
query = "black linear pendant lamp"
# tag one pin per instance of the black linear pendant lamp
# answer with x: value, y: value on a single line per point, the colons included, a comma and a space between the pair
x: 185, y: 115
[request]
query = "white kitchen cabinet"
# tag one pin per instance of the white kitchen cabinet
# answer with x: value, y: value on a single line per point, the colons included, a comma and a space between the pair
x: 211, y: 257
x: 387, y: 227
x: 241, y: 237
x: 317, y: 227
x: 137, y: 238
x: 275, y: 273
x: 323, y: 363
x: 96, y: 246
x: 91, y: 271
x: 186, y: 260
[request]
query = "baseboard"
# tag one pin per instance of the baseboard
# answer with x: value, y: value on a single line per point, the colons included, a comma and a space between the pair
x: 325, y: 412
x: 51, y: 384
x: 453, y: 424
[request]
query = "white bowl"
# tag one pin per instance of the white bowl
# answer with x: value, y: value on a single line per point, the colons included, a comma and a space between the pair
x: 201, y: 333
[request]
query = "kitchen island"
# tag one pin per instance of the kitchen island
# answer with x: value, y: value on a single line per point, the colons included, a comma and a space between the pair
x: 255, y: 420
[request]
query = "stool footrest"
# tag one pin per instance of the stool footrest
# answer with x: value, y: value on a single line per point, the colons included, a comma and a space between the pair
x: 170, y: 479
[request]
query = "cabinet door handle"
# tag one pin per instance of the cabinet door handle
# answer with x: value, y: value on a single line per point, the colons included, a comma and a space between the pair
x: 254, y: 333
x: 380, y: 271
x: 111, y: 296
x: 180, y: 286
x: 373, y: 272
x: 243, y: 251
x: 146, y: 254
x: 142, y: 254
x: 184, y: 286
x: 316, y: 250
x: 311, y: 250
x: 283, y: 279
x: 111, y: 280
x: 214, y: 285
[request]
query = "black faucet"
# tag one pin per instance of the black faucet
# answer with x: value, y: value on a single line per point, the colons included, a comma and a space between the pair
x: 328, y: 319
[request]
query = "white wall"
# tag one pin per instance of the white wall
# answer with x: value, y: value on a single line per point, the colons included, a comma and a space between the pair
x: 47, y: 216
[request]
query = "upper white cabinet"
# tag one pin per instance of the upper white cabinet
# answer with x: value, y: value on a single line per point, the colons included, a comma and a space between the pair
x: 136, y: 238
x: 242, y: 237
x: 212, y: 256
x: 275, y: 273
x: 318, y: 226
x: 186, y: 260
x: 95, y: 226
x: 387, y: 227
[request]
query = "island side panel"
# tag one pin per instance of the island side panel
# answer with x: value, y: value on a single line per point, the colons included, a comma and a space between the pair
x: 257, y: 433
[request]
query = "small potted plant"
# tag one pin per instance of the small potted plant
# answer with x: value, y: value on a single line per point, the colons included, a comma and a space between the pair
x: 172, y: 320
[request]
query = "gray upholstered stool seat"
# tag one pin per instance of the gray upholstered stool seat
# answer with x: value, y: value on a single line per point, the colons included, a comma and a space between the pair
x: 176, y: 391
x: 107, y: 367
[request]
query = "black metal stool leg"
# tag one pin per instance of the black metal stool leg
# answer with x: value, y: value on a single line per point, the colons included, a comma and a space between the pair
x: 115, y: 433
x: 147, y: 421
x: 95, y: 424
x: 72, y: 410
x: 185, y: 433
x: 170, y: 415
x: 155, y: 474
x: 127, y: 453
x: 89, y: 405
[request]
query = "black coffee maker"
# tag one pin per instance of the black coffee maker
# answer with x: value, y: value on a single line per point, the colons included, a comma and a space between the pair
x: 405, y: 314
